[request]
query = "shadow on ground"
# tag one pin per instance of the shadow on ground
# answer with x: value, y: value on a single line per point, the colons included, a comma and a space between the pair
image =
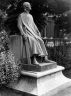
x: 67, y: 73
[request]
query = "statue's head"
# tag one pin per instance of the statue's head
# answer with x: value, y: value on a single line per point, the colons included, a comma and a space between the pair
x: 27, y: 6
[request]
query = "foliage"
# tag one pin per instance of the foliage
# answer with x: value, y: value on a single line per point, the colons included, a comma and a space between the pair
x: 9, y: 70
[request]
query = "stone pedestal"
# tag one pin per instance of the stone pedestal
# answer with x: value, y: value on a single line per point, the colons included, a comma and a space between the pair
x: 40, y: 67
x: 45, y: 83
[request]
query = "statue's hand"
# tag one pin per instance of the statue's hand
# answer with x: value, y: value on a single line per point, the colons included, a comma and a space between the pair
x: 24, y: 37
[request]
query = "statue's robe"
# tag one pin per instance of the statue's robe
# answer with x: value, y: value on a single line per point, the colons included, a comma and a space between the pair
x: 34, y: 43
x: 26, y: 23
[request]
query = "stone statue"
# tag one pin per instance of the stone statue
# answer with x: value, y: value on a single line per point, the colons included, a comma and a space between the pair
x: 30, y: 31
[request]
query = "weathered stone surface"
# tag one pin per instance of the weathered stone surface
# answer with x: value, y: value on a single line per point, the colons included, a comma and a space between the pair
x: 40, y: 67
x: 45, y: 83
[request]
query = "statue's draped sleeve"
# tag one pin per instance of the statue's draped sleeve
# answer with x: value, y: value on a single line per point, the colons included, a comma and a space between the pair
x: 20, y: 26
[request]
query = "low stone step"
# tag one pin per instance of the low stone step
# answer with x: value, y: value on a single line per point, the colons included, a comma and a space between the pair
x: 40, y: 67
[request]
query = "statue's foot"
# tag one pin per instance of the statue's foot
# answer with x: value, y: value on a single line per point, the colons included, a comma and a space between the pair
x: 45, y: 59
x: 35, y: 61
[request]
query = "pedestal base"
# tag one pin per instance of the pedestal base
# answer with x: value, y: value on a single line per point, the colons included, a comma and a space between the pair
x: 45, y: 83
x: 40, y: 67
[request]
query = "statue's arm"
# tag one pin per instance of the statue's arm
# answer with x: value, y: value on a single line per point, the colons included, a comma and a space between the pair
x: 20, y: 26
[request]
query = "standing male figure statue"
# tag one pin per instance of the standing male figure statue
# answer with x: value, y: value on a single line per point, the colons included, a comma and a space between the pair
x: 30, y: 31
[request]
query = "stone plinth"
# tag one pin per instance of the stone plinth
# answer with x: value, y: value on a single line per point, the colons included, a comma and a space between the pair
x: 40, y: 67
x: 45, y: 83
